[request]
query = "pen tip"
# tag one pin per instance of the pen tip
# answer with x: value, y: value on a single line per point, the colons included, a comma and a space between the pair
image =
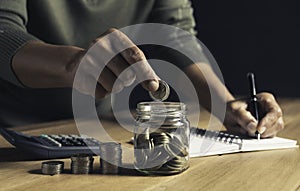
x: 257, y: 134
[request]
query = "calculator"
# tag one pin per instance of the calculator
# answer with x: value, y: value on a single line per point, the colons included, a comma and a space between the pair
x: 52, y: 146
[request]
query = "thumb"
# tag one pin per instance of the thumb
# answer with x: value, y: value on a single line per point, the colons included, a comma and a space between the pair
x: 151, y: 85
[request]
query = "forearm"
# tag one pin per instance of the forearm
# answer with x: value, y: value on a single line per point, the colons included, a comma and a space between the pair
x: 41, y: 65
x: 208, y: 86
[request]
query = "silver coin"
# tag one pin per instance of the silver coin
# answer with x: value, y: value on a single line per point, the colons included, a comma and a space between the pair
x: 82, y: 164
x: 168, y: 154
x: 81, y: 157
x: 110, y: 157
x: 159, y: 138
x: 162, y: 93
x: 52, y: 167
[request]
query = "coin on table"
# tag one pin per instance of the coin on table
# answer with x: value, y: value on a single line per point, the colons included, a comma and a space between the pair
x: 82, y: 164
x: 52, y: 167
x: 162, y: 93
x: 110, y: 157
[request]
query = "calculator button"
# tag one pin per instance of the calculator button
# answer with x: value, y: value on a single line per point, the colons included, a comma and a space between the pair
x: 50, y: 141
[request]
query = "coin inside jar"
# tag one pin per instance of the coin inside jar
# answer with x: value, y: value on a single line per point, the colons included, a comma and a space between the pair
x: 162, y: 92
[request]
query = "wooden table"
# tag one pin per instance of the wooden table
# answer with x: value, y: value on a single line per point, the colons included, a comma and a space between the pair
x: 266, y: 170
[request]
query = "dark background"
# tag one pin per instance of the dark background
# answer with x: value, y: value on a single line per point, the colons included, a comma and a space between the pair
x: 262, y: 36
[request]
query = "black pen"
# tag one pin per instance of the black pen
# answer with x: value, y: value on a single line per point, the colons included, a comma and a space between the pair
x: 253, y: 100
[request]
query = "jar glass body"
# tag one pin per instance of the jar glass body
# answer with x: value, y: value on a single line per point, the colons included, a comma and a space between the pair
x: 161, y: 140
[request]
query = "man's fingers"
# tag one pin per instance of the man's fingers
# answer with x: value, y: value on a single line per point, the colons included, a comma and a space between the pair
x: 267, y: 122
x: 120, y: 68
x: 272, y: 131
x: 115, y: 46
x: 133, y: 55
x: 142, y: 68
x: 247, y: 121
x: 118, y: 42
x: 271, y: 109
x: 243, y: 117
x: 107, y: 80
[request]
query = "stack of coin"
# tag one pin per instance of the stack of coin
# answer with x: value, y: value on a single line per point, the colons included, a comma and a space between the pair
x: 161, y: 153
x: 110, y: 157
x: 52, y: 167
x: 162, y: 93
x: 82, y: 164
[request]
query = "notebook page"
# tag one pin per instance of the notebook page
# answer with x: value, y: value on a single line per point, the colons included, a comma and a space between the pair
x: 200, y: 146
x: 267, y: 144
x: 205, y: 143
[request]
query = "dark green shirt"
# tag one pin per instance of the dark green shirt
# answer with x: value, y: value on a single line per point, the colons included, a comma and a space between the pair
x: 73, y: 22
x: 78, y: 22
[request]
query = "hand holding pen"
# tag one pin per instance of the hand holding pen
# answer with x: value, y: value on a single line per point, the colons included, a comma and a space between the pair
x: 271, y: 121
x: 240, y: 120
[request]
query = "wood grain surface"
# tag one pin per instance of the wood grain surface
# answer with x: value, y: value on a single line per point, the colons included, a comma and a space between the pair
x: 265, y: 170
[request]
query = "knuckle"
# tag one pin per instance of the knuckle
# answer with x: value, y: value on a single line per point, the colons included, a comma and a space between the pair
x: 236, y: 110
x: 95, y: 41
x: 268, y: 100
x: 279, y: 112
x: 266, y: 96
x: 111, y: 30
x: 280, y: 124
x: 236, y: 106
x: 281, y: 127
x: 275, y: 112
x: 233, y: 109
x: 136, y: 54
x: 248, y: 115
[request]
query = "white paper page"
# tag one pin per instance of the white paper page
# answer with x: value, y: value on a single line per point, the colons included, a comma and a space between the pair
x: 267, y: 144
x: 200, y: 146
x: 203, y: 146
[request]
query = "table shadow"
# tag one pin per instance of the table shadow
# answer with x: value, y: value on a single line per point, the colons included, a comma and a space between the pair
x: 122, y: 172
x: 126, y: 170
x: 15, y: 155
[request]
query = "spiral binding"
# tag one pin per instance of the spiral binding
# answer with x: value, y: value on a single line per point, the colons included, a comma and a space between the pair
x: 217, y: 136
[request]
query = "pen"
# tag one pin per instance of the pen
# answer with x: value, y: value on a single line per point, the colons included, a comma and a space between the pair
x: 253, y: 100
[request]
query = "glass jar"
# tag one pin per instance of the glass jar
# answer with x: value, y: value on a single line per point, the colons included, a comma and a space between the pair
x: 161, y: 140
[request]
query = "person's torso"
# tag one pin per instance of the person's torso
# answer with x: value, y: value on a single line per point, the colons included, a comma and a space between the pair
x: 78, y: 22
x: 65, y: 22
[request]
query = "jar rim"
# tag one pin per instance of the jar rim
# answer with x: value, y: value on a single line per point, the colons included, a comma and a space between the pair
x: 160, y: 106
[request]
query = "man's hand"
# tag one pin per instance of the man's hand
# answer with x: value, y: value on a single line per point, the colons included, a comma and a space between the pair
x: 239, y: 120
x: 41, y: 65
x: 115, y: 74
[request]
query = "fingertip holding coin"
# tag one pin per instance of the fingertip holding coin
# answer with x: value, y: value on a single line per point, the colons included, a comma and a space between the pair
x: 162, y: 93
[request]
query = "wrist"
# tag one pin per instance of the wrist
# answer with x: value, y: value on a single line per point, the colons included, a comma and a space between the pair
x: 71, y: 57
x: 41, y: 65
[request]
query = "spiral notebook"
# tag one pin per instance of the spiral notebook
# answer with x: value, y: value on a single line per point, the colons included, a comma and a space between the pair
x: 206, y: 143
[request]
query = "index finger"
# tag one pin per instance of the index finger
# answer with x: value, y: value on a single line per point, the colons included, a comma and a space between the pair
x: 133, y: 55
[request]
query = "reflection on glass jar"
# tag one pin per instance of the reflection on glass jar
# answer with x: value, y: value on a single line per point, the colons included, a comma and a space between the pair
x: 161, y: 141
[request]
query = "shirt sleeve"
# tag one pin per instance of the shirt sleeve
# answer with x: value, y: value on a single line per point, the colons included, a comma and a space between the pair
x: 13, y: 35
x: 178, y: 13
